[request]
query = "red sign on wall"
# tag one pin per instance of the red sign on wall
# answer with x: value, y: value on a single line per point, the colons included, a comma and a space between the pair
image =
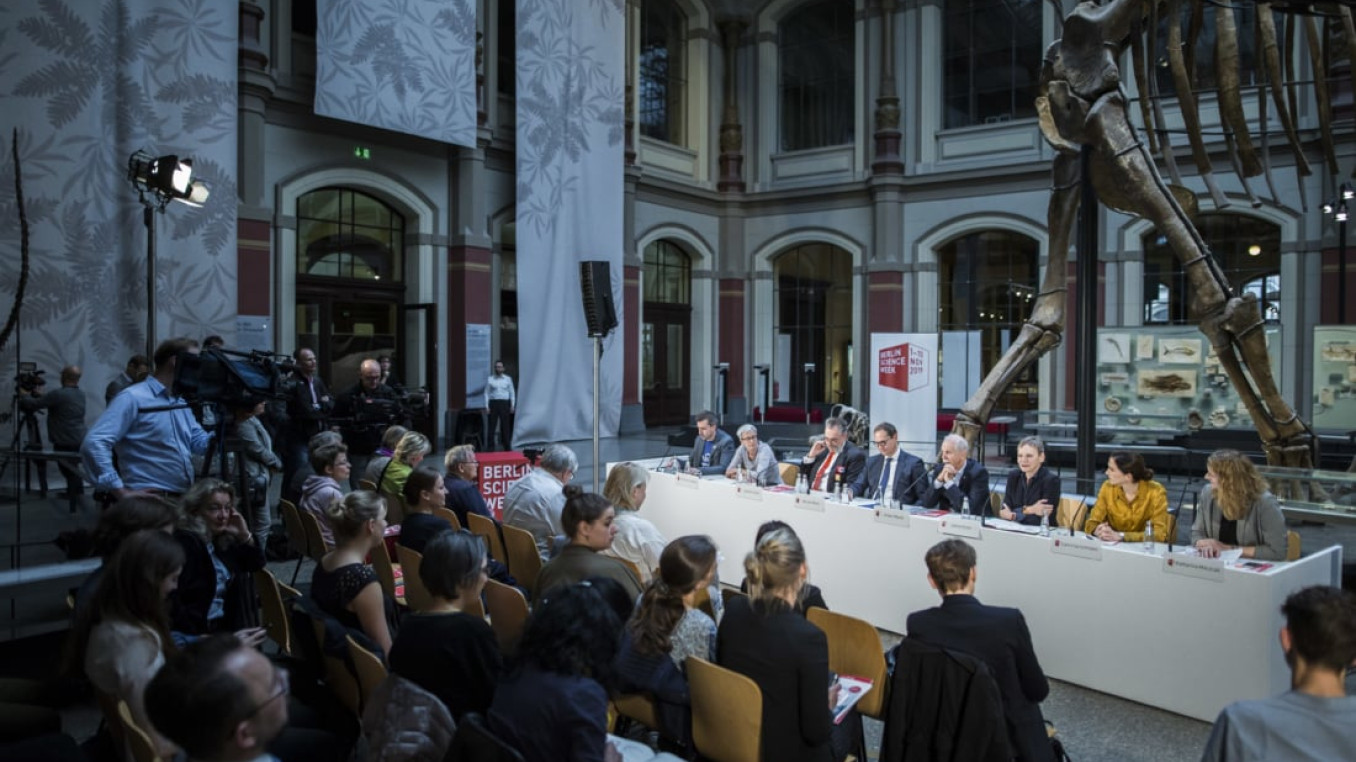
x: 497, y: 471
x: 905, y: 367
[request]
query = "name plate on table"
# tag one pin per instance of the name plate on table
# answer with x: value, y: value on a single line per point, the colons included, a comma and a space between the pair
x: 1077, y: 545
x: 959, y: 526
x: 895, y: 516
x: 689, y: 481
x: 749, y: 491
x: 1192, y: 565
x: 811, y: 502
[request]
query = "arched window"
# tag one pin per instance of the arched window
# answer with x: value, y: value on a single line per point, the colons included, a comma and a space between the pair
x: 816, y: 47
x: 663, y: 78
x: 989, y: 284
x: 1247, y: 249
x: 343, y: 233
x: 1200, y: 60
x: 992, y: 60
x: 814, y: 322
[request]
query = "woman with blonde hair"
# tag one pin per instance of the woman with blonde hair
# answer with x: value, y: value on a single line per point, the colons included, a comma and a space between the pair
x: 637, y: 540
x: 409, y: 453
x: 216, y: 590
x: 1237, y: 511
x: 344, y: 585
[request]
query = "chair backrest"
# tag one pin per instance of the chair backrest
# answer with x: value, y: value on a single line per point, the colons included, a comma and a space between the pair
x: 446, y: 514
x: 632, y: 565
x: 995, y: 502
x: 475, y: 743
x: 368, y: 667
x: 639, y: 707
x: 416, y: 595
x: 138, y: 740
x: 1072, y: 512
x: 395, y: 507
x: 386, y: 572
x: 1292, y: 545
x: 273, y: 612
x: 728, y: 594
x: 1172, y: 531
x: 367, y: 484
x: 338, y: 677
x: 508, y: 614
x: 855, y: 649
x: 524, y: 561
x: 727, y: 713
x: 484, y: 526
x: 296, y: 533
x: 789, y: 473
x: 702, y: 602
x: 316, y: 546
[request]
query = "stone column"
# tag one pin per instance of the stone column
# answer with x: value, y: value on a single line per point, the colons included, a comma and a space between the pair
x: 887, y: 135
x: 731, y: 131
x: 254, y: 228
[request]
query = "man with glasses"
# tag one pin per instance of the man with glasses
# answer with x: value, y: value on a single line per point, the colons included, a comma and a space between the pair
x: 833, y: 460
x: 891, y: 469
x: 463, y: 492
x: 367, y: 409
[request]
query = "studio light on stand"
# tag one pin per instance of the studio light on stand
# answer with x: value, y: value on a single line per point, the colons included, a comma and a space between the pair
x: 158, y: 181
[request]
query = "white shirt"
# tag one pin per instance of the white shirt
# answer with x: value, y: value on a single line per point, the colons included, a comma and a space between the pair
x: 534, y: 503
x: 637, y: 541
x: 500, y: 388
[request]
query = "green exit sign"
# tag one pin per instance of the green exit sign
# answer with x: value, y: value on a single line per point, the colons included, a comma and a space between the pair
x: 362, y: 153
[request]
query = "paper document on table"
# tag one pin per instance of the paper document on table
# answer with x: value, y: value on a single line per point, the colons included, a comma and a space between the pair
x: 851, y: 690
x: 1012, y: 526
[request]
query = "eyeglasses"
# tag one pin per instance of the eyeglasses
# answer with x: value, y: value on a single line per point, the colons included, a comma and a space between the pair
x: 283, y: 682
x: 881, y: 442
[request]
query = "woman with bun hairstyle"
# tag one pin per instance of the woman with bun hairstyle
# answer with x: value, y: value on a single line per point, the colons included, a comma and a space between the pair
x: 1129, y: 499
x: 587, y: 518
x: 343, y: 584
x: 1237, y: 511
x: 764, y: 638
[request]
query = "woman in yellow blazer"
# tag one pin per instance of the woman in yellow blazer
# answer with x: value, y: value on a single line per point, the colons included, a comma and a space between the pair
x: 1128, y: 499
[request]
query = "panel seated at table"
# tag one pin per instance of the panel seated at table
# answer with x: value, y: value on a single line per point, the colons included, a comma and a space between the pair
x: 1122, y: 624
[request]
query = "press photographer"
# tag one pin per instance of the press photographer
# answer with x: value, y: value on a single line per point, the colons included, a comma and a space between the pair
x: 65, y: 408
x: 364, y: 412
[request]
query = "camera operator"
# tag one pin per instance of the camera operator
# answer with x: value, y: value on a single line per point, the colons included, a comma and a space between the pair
x: 152, y: 430
x: 65, y: 422
x: 309, y: 405
x: 367, y: 409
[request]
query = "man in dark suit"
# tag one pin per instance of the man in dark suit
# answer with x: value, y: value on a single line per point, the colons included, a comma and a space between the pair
x: 901, y: 472
x: 997, y: 636
x: 714, y: 449
x: 833, y: 459
x: 959, y: 478
x: 309, y: 405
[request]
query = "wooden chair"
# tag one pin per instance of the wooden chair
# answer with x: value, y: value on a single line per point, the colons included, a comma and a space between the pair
x: 315, y: 541
x: 296, y: 533
x: 1292, y: 545
x: 337, y: 674
x: 702, y: 602
x: 475, y: 743
x: 395, y: 507
x: 854, y: 649
x: 995, y: 503
x: 1172, y: 531
x: 367, y: 484
x: 416, y: 595
x: 729, y: 593
x: 524, y: 561
x: 484, y: 526
x: 727, y: 713
x: 789, y: 473
x: 638, y: 707
x: 446, y: 514
x: 138, y: 740
x: 633, y: 566
x: 508, y: 614
x: 273, y: 612
x: 386, y: 572
x: 1072, y: 512
x: 368, y: 667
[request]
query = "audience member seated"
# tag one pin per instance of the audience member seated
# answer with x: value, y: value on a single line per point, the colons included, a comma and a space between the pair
x: 764, y: 638
x: 463, y: 494
x: 292, y: 490
x: 1314, y: 720
x: 1237, y: 511
x: 219, y: 699
x: 637, y: 539
x: 129, y: 515
x: 552, y: 706
x: 666, y: 629
x: 960, y: 477
x: 754, y: 458
x: 1129, y: 499
x: 407, y: 456
x: 1033, y: 489
x: 891, y: 469
x: 998, y: 636
x: 810, y: 595
x: 833, y: 460
x: 534, y: 502
x: 423, y: 492
x: 325, y: 487
x: 452, y: 655
x: 389, y: 439
x: 343, y: 584
x: 121, y: 638
x: 588, y: 523
x: 216, y: 589
x: 713, y: 448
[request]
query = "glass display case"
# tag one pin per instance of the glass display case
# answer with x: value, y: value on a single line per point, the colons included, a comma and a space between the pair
x: 1334, y: 377
x: 1312, y: 494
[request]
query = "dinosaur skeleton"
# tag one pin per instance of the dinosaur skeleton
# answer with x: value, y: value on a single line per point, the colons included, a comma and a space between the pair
x: 1082, y: 103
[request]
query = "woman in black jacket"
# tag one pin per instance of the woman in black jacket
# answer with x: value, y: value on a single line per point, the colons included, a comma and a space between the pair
x: 216, y: 590
x: 1033, y: 489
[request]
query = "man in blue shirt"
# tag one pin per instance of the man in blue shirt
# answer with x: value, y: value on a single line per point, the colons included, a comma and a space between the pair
x: 714, y: 449
x: 152, y: 431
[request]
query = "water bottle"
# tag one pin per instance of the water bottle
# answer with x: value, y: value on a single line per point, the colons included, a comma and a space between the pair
x: 1045, y: 525
x: 743, y: 475
x: 888, y: 498
x: 1149, y: 536
x: 803, y: 485
x: 965, y: 506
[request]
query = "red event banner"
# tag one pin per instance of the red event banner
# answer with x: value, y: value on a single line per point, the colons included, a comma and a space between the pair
x: 497, y: 471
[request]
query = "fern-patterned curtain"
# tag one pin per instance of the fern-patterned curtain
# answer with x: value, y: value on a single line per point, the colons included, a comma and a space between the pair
x: 569, y: 122
x: 403, y: 65
x: 86, y: 83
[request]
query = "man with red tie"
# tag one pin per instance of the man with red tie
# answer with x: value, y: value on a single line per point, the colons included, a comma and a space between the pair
x: 833, y: 460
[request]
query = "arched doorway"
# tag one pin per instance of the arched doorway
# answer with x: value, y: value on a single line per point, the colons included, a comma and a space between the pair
x: 813, y: 324
x: 665, y: 334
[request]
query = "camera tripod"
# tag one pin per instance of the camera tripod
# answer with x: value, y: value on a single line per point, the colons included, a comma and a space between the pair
x: 27, y: 423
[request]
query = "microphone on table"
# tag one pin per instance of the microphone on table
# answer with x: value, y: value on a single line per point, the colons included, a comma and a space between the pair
x: 927, y: 470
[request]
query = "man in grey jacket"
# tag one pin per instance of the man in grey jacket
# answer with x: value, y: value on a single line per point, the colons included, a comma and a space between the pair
x: 713, y: 450
x: 65, y: 425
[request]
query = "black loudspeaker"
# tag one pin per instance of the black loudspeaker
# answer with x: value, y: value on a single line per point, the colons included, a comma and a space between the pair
x: 595, y: 284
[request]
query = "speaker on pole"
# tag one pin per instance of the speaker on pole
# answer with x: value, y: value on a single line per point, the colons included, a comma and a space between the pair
x: 595, y: 284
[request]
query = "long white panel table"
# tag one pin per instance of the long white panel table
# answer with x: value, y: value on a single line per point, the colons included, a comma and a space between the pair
x: 1122, y: 624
